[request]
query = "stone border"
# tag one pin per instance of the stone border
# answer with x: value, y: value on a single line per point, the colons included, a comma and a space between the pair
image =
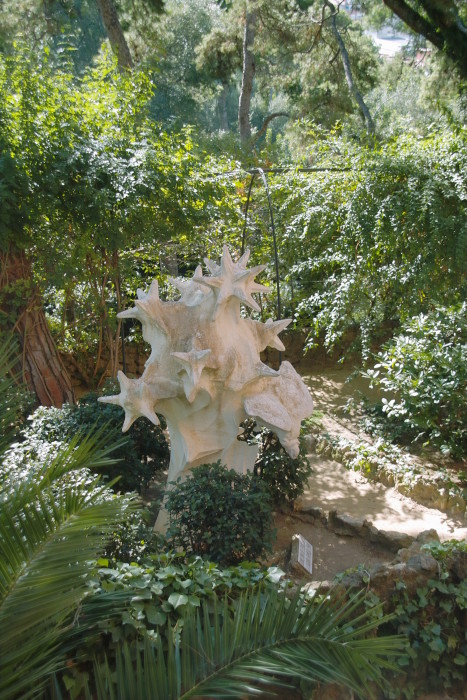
x: 409, y: 556
x: 430, y: 488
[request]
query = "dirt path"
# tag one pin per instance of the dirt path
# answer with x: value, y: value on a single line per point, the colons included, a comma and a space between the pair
x: 332, y: 487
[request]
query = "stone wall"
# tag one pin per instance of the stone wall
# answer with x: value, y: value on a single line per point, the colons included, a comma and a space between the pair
x: 136, y: 355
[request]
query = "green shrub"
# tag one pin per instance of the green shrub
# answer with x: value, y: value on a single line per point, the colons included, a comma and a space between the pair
x: 284, y: 477
x: 134, y: 539
x: 144, y: 452
x: 221, y: 515
x: 424, y: 368
x: 16, y: 402
x: 434, y: 621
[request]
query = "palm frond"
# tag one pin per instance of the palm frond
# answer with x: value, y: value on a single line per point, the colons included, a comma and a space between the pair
x: 268, y: 641
x: 49, y: 530
x: 10, y: 400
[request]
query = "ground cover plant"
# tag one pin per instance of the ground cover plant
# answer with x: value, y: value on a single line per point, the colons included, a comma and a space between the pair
x: 433, y: 619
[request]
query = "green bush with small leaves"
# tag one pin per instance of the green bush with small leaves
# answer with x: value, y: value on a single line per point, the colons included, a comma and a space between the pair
x: 144, y: 452
x: 284, y: 476
x: 221, y: 515
x: 424, y: 369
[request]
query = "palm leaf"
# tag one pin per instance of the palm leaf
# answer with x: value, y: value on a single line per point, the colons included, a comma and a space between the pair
x: 10, y: 399
x: 49, y: 530
x: 268, y: 641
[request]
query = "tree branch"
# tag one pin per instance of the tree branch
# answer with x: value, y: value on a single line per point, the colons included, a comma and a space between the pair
x: 415, y: 21
x: 266, y: 123
x: 114, y: 31
x: 348, y: 70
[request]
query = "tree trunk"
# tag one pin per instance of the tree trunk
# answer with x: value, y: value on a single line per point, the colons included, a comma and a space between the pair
x: 248, y: 74
x: 115, y: 33
x: 355, y: 92
x: 223, y: 116
x: 42, y: 368
x: 442, y: 26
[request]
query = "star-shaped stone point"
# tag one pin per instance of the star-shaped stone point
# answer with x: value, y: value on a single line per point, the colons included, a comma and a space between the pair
x: 268, y: 333
x: 193, y: 362
x: 136, y: 400
x: 191, y: 291
x: 231, y: 279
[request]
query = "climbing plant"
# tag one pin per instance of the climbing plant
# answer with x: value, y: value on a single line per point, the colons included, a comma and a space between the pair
x: 379, y: 240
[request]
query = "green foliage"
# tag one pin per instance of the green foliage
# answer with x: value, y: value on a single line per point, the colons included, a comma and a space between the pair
x: 53, y: 520
x: 143, y: 453
x: 385, y: 238
x: 133, y: 539
x: 53, y: 612
x: 433, y: 619
x: 284, y: 477
x: 15, y: 401
x: 220, y: 514
x: 424, y: 368
x: 443, y: 551
x: 265, y: 638
x: 162, y: 589
x: 93, y: 189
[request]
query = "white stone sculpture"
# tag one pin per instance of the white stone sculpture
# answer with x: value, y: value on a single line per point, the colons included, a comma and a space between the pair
x: 204, y: 373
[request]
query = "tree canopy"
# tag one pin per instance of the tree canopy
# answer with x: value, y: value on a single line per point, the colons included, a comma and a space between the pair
x: 111, y: 171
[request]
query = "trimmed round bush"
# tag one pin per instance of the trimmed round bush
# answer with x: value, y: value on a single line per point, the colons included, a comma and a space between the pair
x: 221, y: 515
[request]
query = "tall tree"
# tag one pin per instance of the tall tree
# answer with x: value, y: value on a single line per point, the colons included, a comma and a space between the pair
x: 115, y: 33
x: 348, y: 69
x: 42, y: 368
x: 248, y: 73
x: 298, y: 59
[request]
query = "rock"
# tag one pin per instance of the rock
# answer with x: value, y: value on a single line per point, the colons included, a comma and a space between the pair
x: 313, y: 515
x: 390, y: 539
x: 458, y: 564
x: 386, y: 477
x: 415, y: 548
x: 423, y: 562
x: 355, y: 579
x: 427, y: 536
x: 383, y: 579
x: 414, y: 573
x: 345, y: 524
x: 456, y: 505
x: 310, y: 442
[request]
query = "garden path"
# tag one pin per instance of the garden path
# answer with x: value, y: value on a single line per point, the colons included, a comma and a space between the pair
x: 332, y: 487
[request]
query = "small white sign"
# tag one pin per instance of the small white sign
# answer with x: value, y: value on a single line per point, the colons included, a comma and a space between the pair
x: 305, y: 554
